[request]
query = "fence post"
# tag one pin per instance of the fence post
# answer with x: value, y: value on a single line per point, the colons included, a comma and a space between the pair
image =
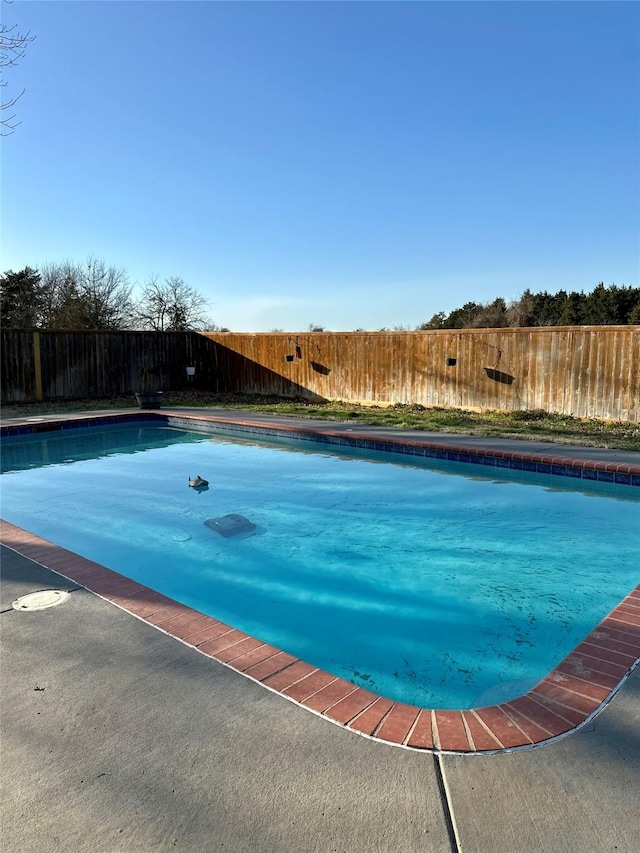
x: 37, y: 366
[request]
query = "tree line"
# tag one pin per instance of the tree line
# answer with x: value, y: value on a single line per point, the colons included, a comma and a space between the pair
x: 604, y: 306
x: 93, y: 295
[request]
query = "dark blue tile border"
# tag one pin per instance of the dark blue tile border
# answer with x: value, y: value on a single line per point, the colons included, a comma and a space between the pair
x: 57, y: 426
x: 566, y: 471
x: 475, y: 459
x: 574, y: 472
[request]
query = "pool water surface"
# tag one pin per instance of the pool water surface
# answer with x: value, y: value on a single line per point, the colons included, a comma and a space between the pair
x: 442, y: 587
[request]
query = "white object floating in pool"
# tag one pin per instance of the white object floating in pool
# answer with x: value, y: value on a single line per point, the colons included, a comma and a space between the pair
x: 40, y: 600
x: 182, y: 537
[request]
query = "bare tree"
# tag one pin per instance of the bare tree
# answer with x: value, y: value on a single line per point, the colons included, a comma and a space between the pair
x: 171, y: 306
x: 490, y: 315
x: 13, y: 47
x: 521, y: 311
x: 84, y: 296
x: 107, y: 295
x: 60, y: 306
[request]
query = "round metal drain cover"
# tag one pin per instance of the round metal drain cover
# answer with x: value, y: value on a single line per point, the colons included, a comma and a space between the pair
x: 40, y: 600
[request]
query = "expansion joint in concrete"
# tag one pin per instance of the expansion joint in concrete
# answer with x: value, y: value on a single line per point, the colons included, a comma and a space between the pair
x: 445, y: 800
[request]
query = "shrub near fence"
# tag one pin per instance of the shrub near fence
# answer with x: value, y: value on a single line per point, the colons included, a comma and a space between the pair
x: 585, y: 371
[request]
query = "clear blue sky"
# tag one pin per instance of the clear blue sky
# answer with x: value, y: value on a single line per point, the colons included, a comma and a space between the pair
x: 350, y: 164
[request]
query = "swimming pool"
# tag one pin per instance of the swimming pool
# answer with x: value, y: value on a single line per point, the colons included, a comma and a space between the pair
x: 442, y: 587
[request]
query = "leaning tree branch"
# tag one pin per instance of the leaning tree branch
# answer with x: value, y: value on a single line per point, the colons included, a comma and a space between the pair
x: 13, y: 48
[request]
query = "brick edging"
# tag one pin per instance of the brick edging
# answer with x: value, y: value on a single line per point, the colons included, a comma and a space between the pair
x: 570, y: 695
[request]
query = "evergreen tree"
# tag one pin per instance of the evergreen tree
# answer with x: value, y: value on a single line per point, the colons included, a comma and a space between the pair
x: 611, y: 305
x: 436, y: 322
x: 20, y: 298
x: 572, y: 311
x: 462, y: 317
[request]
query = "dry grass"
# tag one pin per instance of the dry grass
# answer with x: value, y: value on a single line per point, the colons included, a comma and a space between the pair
x: 532, y: 425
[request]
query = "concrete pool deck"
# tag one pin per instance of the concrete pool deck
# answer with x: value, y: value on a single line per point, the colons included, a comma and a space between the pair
x: 506, y: 445
x: 563, y: 796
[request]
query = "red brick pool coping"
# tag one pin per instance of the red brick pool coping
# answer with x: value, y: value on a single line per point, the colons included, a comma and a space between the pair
x: 568, y: 697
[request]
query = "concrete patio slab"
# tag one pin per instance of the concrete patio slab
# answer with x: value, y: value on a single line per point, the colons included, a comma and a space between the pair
x: 581, y: 795
x: 118, y: 737
x: 453, y: 439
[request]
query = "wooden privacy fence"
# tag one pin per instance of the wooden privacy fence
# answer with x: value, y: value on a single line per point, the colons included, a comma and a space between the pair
x: 585, y: 371
x: 49, y: 365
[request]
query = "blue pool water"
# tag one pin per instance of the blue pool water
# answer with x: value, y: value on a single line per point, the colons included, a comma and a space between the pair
x: 444, y: 587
